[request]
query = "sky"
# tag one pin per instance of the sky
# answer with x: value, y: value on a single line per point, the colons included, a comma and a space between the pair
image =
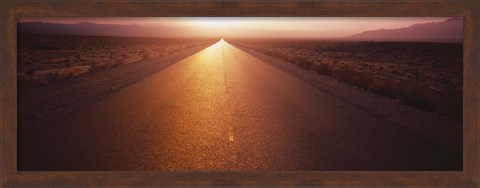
x: 244, y: 26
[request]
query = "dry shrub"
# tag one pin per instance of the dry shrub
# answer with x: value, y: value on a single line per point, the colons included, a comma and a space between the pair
x: 302, y: 62
x: 416, y: 97
x: 283, y: 56
x: 63, y: 73
x: 362, y: 79
x: 99, y: 66
x: 409, y: 94
x: 105, y: 65
x: 344, y: 73
x: 323, y: 68
x: 383, y: 87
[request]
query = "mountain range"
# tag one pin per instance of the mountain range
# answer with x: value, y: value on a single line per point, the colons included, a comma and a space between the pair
x: 450, y: 30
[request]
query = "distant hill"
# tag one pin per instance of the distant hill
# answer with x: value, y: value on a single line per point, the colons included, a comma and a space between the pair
x: 450, y: 30
x: 87, y: 28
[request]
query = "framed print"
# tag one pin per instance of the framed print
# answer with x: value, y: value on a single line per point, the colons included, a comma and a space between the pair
x: 204, y: 93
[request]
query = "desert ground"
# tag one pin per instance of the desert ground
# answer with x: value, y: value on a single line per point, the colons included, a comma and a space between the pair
x: 423, y: 75
x: 45, y: 58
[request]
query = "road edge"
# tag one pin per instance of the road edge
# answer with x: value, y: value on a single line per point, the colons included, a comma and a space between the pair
x: 57, y: 100
x: 430, y: 126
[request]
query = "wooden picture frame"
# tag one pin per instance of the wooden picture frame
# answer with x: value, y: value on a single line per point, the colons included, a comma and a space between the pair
x: 11, y: 10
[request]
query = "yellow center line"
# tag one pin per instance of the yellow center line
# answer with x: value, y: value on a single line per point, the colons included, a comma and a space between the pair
x: 229, y: 118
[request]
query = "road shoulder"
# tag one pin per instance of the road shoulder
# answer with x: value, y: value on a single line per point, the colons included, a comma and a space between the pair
x: 436, y: 128
x: 43, y: 104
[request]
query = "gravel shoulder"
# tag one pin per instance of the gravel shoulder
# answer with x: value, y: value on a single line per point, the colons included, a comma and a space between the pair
x: 432, y: 126
x: 39, y: 105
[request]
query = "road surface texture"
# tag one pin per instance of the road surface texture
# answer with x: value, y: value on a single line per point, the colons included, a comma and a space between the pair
x: 222, y: 109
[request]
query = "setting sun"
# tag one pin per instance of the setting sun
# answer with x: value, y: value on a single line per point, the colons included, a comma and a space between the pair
x: 212, y: 23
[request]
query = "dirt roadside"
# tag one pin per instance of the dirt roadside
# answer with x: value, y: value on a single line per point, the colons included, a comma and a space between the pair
x: 38, y: 105
x: 436, y: 128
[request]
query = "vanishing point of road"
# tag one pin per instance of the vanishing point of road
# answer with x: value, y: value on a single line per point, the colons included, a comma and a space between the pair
x: 222, y: 109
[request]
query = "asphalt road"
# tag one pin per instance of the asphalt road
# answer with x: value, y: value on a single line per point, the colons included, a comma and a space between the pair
x: 222, y: 109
